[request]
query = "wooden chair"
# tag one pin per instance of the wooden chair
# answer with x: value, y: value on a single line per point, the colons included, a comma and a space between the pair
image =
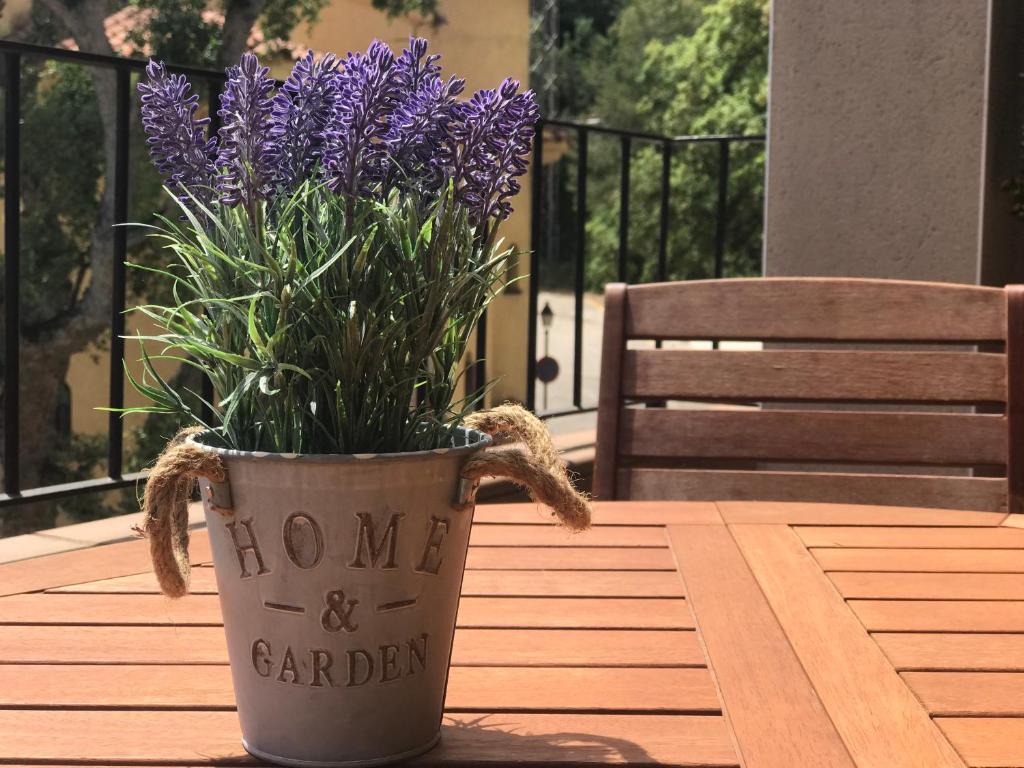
x: 674, y: 451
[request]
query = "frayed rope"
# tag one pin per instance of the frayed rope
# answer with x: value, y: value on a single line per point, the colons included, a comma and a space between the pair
x: 538, y: 468
x: 168, y: 492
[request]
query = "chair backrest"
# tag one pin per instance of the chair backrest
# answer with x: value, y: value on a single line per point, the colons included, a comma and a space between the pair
x: 685, y: 422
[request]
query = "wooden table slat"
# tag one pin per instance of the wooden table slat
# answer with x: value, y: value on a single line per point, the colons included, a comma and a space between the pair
x: 569, y: 559
x: 936, y: 650
x: 990, y: 694
x: 486, y: 647
x: 548, y: 535
x: 478, y: 612
x: 930, y: 586
x: 594, y: 689
x: 488, y: 583
x: 632, y: 513
x: 81, y: 565
x: 799, y: 513
x: 205, y: 738
x: 992, y: 537
x: 921, y: 560
x: 940, y: 615
x: 986, y: 742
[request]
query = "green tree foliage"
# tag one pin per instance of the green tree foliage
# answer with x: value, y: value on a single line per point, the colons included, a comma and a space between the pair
x: 675, y: 69
x: 626, y: 93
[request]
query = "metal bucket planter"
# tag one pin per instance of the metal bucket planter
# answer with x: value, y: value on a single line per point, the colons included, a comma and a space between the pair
x: 339, y: 580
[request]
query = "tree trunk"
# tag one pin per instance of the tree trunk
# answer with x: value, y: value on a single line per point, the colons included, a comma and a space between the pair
x: 239, y: 18
x: 43, y: 369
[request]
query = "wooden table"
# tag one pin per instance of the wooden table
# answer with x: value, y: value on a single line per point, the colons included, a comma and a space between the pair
x: 698, y: 634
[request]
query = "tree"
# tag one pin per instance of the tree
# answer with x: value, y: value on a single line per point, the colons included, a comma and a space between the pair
x: 68, y: 155
x: 675, y: 69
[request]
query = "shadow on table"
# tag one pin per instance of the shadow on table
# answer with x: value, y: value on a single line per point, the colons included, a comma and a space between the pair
x: 493, y: 738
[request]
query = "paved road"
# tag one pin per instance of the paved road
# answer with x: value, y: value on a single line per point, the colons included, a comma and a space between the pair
x: 559, y: 392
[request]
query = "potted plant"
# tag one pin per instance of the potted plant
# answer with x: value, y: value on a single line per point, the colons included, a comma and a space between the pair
x: 335, y: 245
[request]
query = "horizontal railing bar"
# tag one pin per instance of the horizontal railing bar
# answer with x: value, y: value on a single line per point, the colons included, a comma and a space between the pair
x: 63, y: 490
x: 710, y: 137
x: 103, y: 60
x: 569, y: 412
x: 597, y: 128
x: 646, y: 136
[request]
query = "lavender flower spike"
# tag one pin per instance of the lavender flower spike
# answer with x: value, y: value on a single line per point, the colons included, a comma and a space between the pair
x: 414, y: 67
x: 302, y: 109
x: 493, y: 132
x: 245, y: 158
x: 370, y: 86
x: 418, y: 152
x: 177, y: 141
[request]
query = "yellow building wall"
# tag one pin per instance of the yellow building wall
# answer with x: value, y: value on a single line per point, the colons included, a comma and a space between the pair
x: 483, y: 41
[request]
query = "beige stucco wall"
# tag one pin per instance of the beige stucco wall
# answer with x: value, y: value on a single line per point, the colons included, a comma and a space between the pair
x: 876, y: 126
x: 482, y: 41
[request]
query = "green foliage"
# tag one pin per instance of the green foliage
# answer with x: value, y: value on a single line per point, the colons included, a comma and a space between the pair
x: 330, y: 326
x: 178, y: 31
x: 56, y: 248
x: 626, y: 92
x: 280, y: 17
x: 676, y: 74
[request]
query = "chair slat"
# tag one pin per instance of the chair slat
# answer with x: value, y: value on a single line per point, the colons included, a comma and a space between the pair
x: 816, y: 309
x: 927, y: 439
x: 839, y: 488
x: 815, y: 375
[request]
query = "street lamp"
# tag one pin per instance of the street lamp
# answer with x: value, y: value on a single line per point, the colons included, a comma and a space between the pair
x: 547, y: 317
x: 547, y: 369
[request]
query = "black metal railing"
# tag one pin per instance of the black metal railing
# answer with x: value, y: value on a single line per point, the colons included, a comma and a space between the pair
x: 13, y: 53
x: 626, y: 139
x: 124, y: 68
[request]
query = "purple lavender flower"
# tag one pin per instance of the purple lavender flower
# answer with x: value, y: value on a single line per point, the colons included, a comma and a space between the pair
x: 245, y: 158
x: 177, y: 141
x: 369, y: 88
x: 493, y: 135
x: 302, y: 109
x: 414, y: 67
x: 416, y: 139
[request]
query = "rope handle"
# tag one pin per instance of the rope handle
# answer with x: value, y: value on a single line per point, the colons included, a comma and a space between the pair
x: 165, y: 504
x: 534, y: 464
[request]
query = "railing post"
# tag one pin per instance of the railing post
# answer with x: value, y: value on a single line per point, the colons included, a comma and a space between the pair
x: 666, y: 181
x: 12, y: 273
x: 115, y: 425
x: 480, y: 365
x: 624, y: 209
x: 536, y: 234
x: 206, y: 385
x: 722, y: 210
x: 580, y: 265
